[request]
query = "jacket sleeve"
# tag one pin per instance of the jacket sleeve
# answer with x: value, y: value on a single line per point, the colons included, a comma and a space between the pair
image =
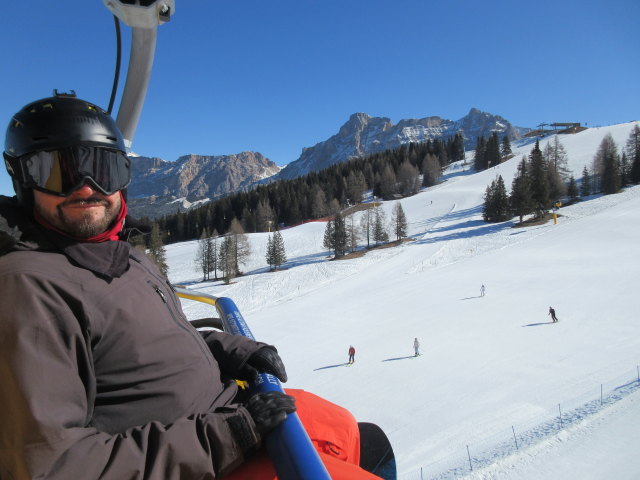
x: 231, y: 351
x: 46, y: 391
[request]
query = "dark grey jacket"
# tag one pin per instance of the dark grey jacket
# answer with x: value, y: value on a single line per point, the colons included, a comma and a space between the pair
x: 101, y: 375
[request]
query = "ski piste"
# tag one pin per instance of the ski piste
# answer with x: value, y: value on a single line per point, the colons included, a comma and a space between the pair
x: 290, y: 449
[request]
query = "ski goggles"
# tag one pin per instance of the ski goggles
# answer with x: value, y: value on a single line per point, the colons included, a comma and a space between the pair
x: 62, y: 171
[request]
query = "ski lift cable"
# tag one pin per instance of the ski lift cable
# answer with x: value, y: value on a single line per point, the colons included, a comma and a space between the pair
x: 116, y: 75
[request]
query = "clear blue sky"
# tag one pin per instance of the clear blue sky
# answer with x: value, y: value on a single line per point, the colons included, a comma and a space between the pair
x: 278, y: 76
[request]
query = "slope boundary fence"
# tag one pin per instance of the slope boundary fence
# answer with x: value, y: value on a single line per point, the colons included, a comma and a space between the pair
x: 476, y: 455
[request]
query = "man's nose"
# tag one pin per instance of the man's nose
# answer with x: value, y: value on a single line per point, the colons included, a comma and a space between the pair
x: 85, y: 190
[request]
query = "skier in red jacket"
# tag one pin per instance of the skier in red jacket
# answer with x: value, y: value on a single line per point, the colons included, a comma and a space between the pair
x: 352, y: 354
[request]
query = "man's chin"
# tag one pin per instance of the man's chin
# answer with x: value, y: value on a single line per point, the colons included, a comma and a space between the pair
x: 88, y: 224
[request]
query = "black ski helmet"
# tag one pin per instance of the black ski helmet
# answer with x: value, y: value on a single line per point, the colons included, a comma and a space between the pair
x: 57, y: 122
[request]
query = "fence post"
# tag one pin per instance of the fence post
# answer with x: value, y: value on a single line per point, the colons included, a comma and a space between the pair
x: 600, y: 394
x: 514, y: 437
x: 560, y: 410
x: 470, y: 465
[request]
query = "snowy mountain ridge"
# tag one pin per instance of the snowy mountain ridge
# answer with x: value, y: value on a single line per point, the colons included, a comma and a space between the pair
x: 156, y: 183
x: 364, y: 135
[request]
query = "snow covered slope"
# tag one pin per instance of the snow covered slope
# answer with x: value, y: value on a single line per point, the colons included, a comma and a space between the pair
x: 491, y: 366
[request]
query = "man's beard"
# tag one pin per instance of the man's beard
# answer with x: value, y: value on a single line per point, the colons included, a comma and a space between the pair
x: 87, y: 226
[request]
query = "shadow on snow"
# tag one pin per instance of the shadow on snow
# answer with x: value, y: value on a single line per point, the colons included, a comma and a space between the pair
x: 331, y: 366
x: 398, y: 358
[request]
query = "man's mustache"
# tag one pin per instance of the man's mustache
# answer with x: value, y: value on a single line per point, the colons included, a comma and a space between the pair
x: 95, y: 199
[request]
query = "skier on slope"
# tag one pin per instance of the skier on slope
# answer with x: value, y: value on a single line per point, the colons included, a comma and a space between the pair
x: 352, y: 354
x: 102, y: 376
x: 416, y: 346
x: 552, y: 312
x: 482, y: 289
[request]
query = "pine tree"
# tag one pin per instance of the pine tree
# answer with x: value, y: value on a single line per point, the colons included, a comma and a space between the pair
x: 249, y: 220
x: 492, y: 151
x: 556, y: 157
x: 572, y: 189
x: 241, y: 246
x: 352, y: 233
x: 339, y: 236
x: 501, y: 201
x: 505, y: 150
x: 607, y: 163
x: 156, y: 251
x: 334, y: 206
x: 480, y: 162
x: 227, y: 259
x: 557, y: 187
x: 356, y: 186
x: 496, y: 202
x: 270, y: 255
x: 276, y: 254
x: 625, y: 170
x: 539, y: 181
x: 380, y: 234
x: 430, y: 170
x: 279, y: 250
x: 388, y: 183
x: 366, y: 225
x: 399, y: 221
x: 487, y: 206
x: 319, y: 204
x: 633, y: 152
x: 265, y: 216
x: 328, y: 239
x: 457, y: 148
x: 408, y: 179
x: 205, y: 257
x: 520, y: 198
x: 335, y: 236
x: 585, y: 183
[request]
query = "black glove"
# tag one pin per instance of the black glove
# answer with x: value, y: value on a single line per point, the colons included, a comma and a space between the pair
x: 270, y: 409
x: 264, y: 360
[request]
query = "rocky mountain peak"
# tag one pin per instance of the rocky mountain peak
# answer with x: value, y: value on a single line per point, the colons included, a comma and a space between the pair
x: 363, y: 135
x: 194, y: 178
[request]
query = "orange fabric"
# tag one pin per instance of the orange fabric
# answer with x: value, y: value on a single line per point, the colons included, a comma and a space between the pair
x: 332, y: 430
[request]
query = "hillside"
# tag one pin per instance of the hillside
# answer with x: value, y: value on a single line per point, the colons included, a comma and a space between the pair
x: 490, y: 366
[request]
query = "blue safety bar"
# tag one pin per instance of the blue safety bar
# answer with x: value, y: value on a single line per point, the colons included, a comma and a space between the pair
x: 288, y: 445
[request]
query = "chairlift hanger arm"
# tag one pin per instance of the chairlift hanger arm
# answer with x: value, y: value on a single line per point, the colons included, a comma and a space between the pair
x: 143, y: 16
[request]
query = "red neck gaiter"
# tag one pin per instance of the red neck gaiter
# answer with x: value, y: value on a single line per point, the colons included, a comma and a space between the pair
x: 108, y: 235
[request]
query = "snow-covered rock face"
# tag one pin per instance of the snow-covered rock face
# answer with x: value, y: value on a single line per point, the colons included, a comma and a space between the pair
x: 363, y: 135
x: 193, y: 177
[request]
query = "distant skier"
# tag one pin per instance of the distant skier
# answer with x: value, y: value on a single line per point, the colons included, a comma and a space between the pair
x: 416, y: 346
x: 552, y: 312
x: 352, y: 354
x: 482, y: 291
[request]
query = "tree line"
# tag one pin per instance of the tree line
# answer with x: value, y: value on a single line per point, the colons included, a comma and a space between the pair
x: 342, y: 235
x: 543, y: 178
x: 390, y: 174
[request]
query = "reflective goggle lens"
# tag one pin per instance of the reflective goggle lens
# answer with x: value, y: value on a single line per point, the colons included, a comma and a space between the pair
x: 62, y: 171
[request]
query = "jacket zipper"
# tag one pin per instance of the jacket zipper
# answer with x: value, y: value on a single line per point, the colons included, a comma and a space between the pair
x: 176, y: 317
